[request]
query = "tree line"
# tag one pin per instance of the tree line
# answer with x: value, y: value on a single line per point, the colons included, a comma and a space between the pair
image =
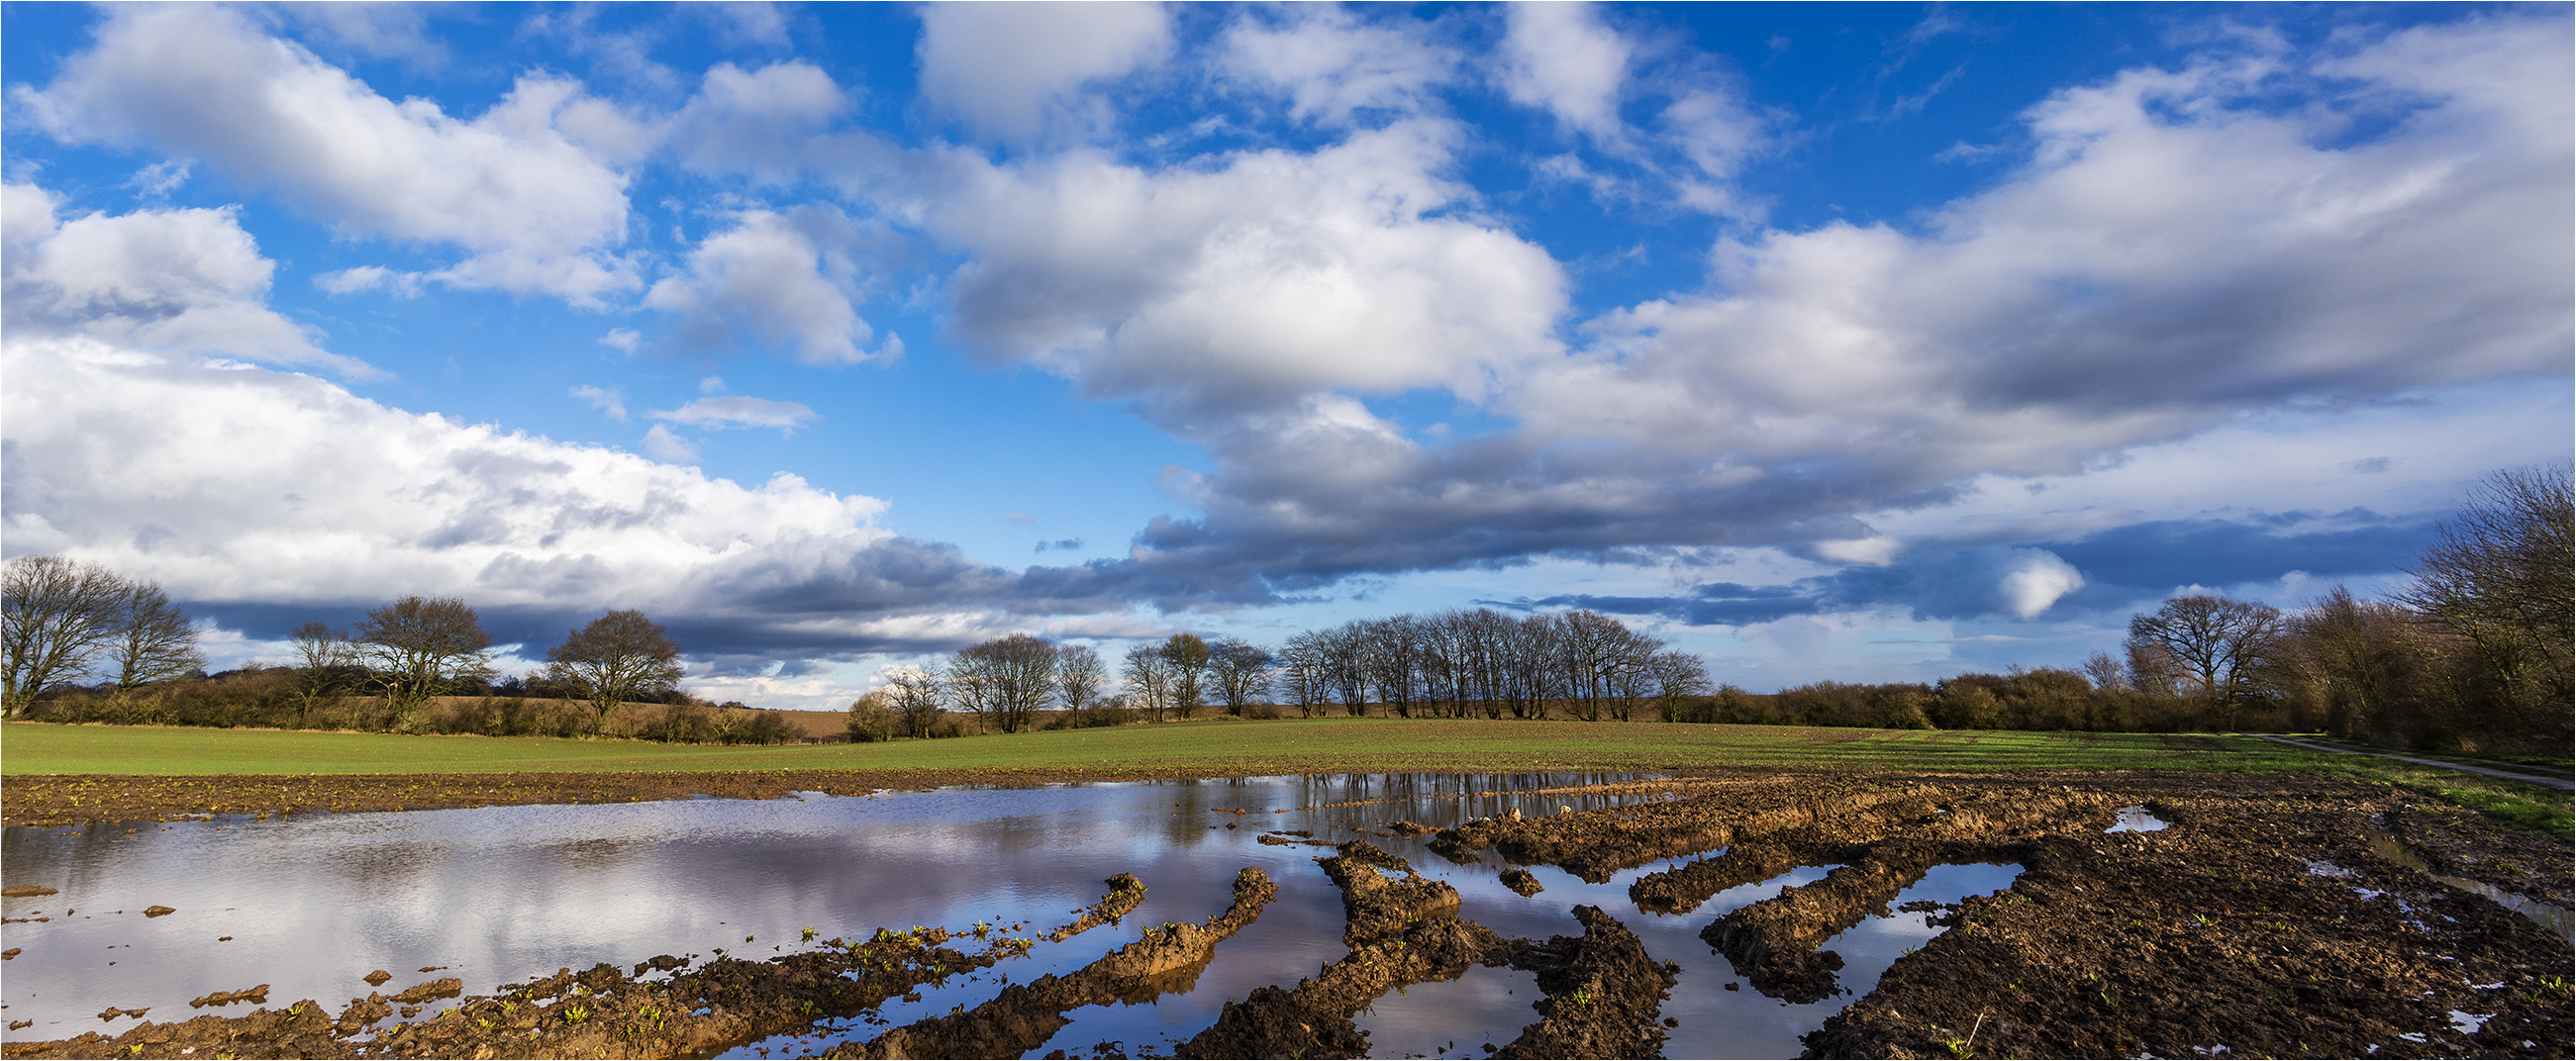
x: 63, y: 621
x: 1455, y: 664
x: 2473, y: 654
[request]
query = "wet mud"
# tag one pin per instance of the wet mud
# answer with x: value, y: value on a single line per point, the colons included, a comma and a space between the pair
x: 2260, y: 921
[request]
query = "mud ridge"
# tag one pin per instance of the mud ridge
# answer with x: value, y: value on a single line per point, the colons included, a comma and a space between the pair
x: 1023, y: 1017
x: 1603, y: 993
x: 598, y: 1013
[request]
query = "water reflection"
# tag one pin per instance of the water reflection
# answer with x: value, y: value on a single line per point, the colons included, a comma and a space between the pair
x: 312, y: 904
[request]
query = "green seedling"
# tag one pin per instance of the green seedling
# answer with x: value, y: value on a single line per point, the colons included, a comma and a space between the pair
x: 575, y: 1014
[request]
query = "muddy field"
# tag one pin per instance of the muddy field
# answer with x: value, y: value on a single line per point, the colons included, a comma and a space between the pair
x: 2271, y: 916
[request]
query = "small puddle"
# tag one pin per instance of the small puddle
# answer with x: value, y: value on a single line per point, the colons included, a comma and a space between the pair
x: 2136, y: 820
x: 1470, y: 1016
x: 2546, y: 914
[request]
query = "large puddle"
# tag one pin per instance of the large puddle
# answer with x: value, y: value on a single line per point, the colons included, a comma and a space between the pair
x: 311, y: 905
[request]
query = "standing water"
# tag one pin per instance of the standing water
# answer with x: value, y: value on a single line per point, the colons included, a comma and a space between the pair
x: 309, y: 905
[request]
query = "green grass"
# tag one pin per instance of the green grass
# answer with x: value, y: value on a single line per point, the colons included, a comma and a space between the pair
x: 1227, y: 747
x: 1218, y: 747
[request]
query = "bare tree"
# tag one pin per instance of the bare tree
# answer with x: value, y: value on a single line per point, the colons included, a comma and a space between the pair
x: 1677, y: 676
x: 1302, y: 666
x: 1004, y: 680
x: 618, y: 657
x: 325, y: 659
x: 55, y: 616
x: 2503, y: 576
x: 420, y: 647
x: 918, y: 697
x: 1187, y: 656
x: 2217, y: 645
x: 1391, y: 655
x: 1079, y: 676
x: 1149, y: 679
x: 1241, y: 670
x: 1344, y: 652
x: 154, y: 640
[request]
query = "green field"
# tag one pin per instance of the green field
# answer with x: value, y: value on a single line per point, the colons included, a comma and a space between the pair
x: 1215, y: 747
x: 1236, y: 748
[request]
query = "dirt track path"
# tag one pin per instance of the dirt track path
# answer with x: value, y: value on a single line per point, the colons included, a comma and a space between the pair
x: 2559, y: 783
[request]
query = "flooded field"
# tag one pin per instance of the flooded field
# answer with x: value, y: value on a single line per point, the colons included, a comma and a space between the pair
x: 1417, y: 915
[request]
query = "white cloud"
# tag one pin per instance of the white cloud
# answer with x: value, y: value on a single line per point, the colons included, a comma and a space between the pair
x: 626, y: 339
x: 2181, y: 249
x: 734, y: 410
x: 295, y: 490
x: 1559, y: 58
x: 175, y: 281
x: 1247, y: 285
x: 608, y: 400
x: 1012, y: 69
x: 369, y: 278
x: 760, y: 122
x: 777, y: 280
x: 2035, y: 580
x: 1331, y: 64
x: 665, y: 444
x: 531, y: 203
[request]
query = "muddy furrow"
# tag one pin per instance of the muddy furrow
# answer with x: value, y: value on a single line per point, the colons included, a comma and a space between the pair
x: 603, y: 1012
x: 1775, y: 943
x: 1604, y: 993
x: 1595, y: 845
x: 1024, y: 1016
x: 2261, y: 921
x: 1401, y: 931
x: 1839, y: 837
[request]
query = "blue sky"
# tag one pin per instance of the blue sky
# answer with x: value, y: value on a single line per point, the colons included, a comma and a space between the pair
x: 1867, y: 342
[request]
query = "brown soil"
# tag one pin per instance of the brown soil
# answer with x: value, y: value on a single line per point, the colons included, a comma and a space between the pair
x: 1023, y: 1017
x: 2262, y: 920
x: 600, y: 1013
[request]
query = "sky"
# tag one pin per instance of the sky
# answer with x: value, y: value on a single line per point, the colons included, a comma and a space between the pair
x: 1852, y: 342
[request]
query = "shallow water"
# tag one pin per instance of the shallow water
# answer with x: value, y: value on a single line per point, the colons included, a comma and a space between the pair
x: 496, y: 895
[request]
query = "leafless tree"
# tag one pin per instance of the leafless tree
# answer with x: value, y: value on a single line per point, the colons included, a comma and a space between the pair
x: 1391, y: 654
x: 1187, y: 657
x: 918, y: 697
x: 618, y: 657
x: 420, y: 647
x: 1677, y: 676
x: 1149, y: 679
x: 55, y: 616
x: 1302, y: 666
x: 1079, y: 676
x: 1345, y: 658
x: 1005, y: 680
x: 1241, y: 671
x: 2218, y: 646
x: 2503, y: 576
x: 325, y: 661
x: 154, y: 640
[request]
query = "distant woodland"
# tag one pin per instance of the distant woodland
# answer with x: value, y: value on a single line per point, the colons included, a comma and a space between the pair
x: 2473, y: 654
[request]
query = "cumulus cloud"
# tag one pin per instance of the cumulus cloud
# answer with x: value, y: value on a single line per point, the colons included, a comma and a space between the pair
x: 522, y: 190
x: 760, y: 122
x: 777, y: 280
x: 301, y: 498
x: 1560, y: 58
x: 734, y: 410
x: 2179, y: 249
x: 1332, y: 65
x: 664, y: 444
x: 187, y: 281
x: 1250, y: 286
x: 1011, y: 69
